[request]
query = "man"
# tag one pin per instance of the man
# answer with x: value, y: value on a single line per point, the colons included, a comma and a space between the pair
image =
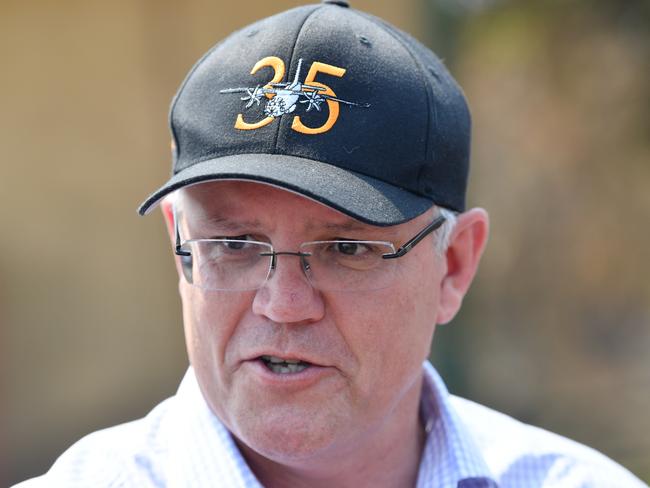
x: 317, y: 213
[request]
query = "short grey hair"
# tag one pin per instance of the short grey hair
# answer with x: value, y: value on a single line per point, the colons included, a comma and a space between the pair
x: 442, y: 235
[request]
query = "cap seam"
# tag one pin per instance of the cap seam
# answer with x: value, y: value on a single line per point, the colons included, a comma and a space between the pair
x: 289, y: 71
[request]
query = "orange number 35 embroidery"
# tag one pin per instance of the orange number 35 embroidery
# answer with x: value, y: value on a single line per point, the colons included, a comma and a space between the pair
x: 283, y: 98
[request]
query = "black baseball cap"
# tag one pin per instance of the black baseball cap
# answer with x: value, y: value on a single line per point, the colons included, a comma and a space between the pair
x: 328, y: 102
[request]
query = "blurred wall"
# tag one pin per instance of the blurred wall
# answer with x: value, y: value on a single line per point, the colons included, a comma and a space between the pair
x: 556, y: 330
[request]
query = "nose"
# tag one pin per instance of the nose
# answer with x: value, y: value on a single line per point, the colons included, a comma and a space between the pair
x: 288, y: 296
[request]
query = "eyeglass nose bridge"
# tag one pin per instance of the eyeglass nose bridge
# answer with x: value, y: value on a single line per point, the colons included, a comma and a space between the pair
x: 301, y: 255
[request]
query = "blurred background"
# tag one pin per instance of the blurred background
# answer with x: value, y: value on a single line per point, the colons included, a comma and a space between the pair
x: 556, y: 330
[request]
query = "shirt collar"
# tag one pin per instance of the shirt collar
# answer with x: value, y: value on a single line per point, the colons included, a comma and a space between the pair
x: 203, y: 449
x: 451, y: 458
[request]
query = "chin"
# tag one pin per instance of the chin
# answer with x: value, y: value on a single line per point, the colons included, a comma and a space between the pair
x: 290, y: 436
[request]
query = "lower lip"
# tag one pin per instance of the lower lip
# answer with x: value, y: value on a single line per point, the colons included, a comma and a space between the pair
x: 302, y: 379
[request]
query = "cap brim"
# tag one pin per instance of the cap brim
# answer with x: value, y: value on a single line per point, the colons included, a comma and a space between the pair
x: 361, y: 197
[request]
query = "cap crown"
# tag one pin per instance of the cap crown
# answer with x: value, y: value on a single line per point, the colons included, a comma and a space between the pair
x: 382, y: 105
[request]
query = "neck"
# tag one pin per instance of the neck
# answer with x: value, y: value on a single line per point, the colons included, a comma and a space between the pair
x: 388, y: 457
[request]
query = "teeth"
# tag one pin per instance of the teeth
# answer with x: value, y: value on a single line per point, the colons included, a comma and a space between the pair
x: 289, y: 368
x: 273, y: 359
x: 284, y: 366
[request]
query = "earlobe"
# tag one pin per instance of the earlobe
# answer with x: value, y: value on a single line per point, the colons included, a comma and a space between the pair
x: 463, y: 255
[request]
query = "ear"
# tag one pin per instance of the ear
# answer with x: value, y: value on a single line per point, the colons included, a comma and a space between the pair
x: 168, y: 215
x: 466, y: 246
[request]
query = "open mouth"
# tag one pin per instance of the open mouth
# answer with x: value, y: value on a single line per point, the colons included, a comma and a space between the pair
x: 284, y: 366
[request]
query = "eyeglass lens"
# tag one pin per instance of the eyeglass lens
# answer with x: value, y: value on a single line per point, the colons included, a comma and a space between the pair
x: 238, y: 265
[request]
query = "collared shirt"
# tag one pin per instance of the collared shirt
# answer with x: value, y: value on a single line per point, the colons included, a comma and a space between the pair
x: 181, y: 443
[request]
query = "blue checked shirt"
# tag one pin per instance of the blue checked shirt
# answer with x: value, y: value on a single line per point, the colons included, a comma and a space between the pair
x: 181, y: 443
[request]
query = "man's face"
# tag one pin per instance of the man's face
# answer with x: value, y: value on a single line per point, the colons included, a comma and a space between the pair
x: 365, y: 348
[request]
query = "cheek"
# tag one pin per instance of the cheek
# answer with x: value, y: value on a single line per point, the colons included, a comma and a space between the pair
x: 390, y: 332
x: 210, y: 320
x: 390, y: 337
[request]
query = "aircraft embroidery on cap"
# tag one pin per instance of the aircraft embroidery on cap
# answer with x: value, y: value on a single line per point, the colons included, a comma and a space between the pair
x: 283, y: 98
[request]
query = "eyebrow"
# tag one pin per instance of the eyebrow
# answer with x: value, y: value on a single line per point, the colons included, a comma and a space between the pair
x: 353, y: 226
x: 227, y: 224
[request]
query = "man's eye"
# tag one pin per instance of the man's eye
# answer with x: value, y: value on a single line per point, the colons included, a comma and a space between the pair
x: 236, y: 243
x: 350, y: 248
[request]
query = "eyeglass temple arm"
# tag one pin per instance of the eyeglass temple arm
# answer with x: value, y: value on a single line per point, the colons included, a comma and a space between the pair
x: 177, y: 250
x: 408, y: 245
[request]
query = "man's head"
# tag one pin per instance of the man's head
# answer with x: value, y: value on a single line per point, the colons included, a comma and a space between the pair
x: 312, y: 152
x: 364, y: 348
